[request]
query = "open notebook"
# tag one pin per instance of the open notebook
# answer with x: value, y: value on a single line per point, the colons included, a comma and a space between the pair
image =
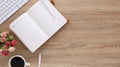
x: 38, y: 24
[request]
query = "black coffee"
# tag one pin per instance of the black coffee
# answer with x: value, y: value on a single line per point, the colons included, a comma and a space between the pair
x: 17, y: 62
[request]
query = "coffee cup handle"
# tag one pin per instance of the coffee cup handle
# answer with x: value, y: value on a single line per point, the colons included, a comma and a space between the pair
x: 27, y: 64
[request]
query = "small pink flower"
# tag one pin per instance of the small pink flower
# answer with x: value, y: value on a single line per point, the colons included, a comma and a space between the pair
x: 1, y: 50
x: 11, y: 49
x: 13, y: 43
x: 3, y: 39
x: 4, y: 34
x: 5, y: 53
x: 7, y: 43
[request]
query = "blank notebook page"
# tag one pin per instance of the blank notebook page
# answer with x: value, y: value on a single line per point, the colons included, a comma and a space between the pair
x: 29, y: 32
x: 47, y: 17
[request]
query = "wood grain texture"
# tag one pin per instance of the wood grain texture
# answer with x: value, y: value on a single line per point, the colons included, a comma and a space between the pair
x: 90, y: 39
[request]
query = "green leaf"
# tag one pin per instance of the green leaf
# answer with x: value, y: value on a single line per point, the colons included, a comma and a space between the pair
x: 8, y: 35
x: 11, y: 38
x: 0, y: 42
x: 0, y: 47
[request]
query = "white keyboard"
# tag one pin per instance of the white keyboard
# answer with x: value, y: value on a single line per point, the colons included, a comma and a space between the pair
x: 9, y: 7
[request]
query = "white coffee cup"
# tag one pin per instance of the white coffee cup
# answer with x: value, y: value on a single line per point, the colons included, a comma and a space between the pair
x: 25, y: 63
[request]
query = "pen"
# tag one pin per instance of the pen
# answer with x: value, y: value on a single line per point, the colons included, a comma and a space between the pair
x: 39, y: 60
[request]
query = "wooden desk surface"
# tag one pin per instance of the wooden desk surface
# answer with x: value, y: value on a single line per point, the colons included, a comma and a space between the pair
x: 90, y: 39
